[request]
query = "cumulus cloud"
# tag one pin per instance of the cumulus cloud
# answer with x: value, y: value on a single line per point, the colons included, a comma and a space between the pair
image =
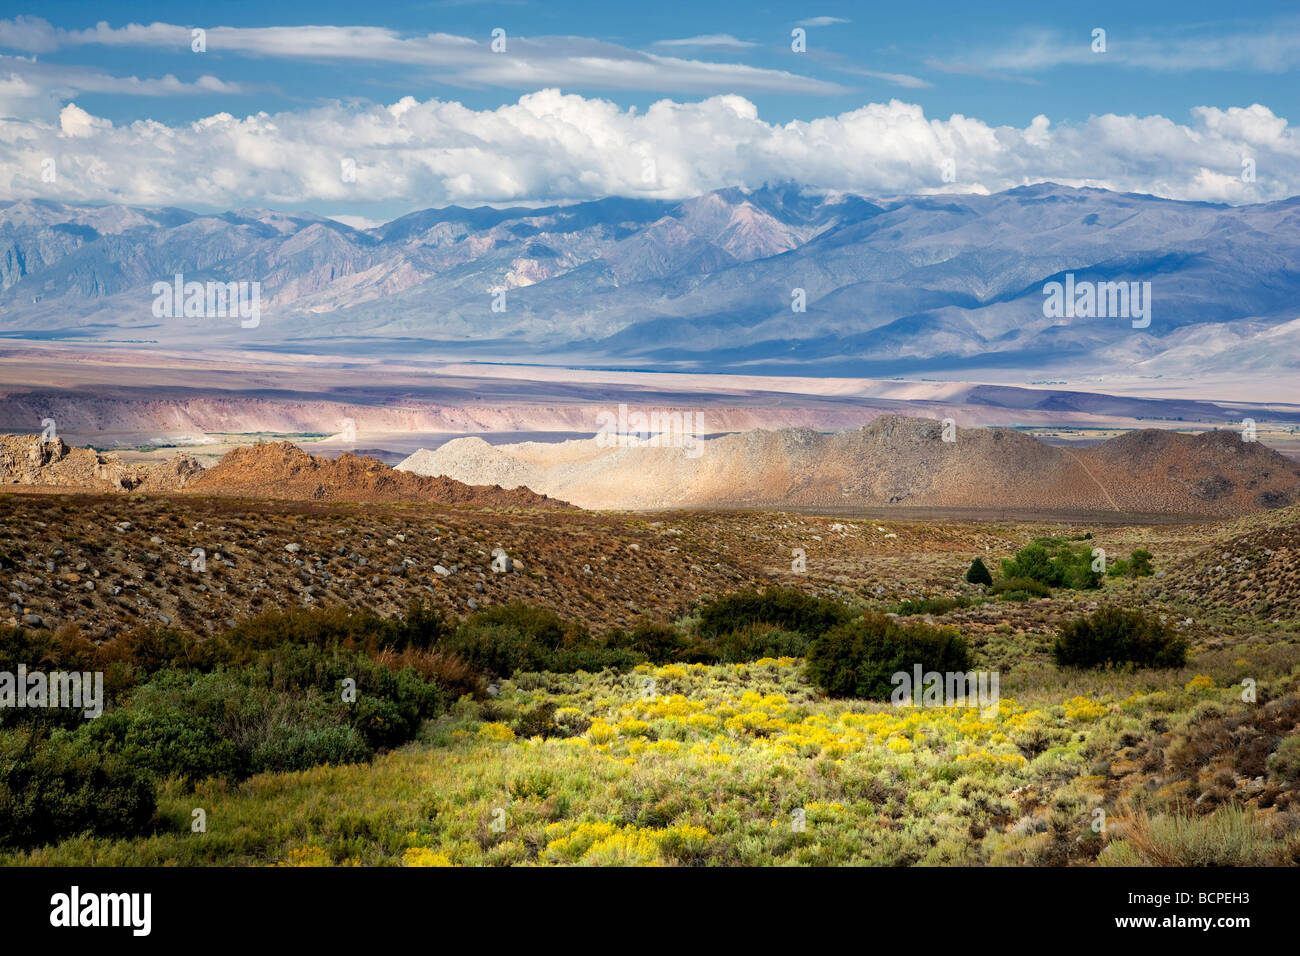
x: 78, y: 124
x: 550, y: 146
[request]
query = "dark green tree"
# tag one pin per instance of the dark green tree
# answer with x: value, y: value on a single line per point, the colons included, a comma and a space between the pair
x: 977, y: 573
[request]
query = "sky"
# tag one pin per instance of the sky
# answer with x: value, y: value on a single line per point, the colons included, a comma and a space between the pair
x: 367, y: 111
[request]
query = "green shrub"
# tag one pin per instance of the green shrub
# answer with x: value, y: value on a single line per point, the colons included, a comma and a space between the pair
x: 503, y: 641
x: 1020, y: 589
x: 782, y: 607
x: 494, y: 649
x: 285, y: 711
x: 1114, y: 636
x: 152, y: 649
x: 1054, y: 563
x: 382, y: 722
x: 56, y: 787
x: 537, y: 721
x: 858, y: 658
x: 753, y: 643
x: 977, y: 573
x: 423, y: 626
x: 1137, y: 565
x: 390, y: 707
x: 590, y: 656
x: 300, y: 748
x: 541, y: 626
x: 1140, y: 560
x: 167, y: 742
x: 653, y: 640
x: 1284, y: 763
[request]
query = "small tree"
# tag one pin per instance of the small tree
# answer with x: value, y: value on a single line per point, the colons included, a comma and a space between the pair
x: 977, y: 573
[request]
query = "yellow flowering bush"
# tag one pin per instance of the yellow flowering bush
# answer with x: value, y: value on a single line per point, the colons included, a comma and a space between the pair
x: 496, y: 731
x: 1084, y: 709
x: 306, y: 856
x: 424, y: 856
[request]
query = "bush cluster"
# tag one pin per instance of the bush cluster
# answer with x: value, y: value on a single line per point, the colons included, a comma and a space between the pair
x: 1116, y: 637
x: 858, y: 658
x: 518, y: 637
x: 1020, y: 589
x: 266, y: 696
x: 57, y: 786
x: 1136, y: 565
x: 931, y: 605
x: 1054, y: 563
x: 783, y: 607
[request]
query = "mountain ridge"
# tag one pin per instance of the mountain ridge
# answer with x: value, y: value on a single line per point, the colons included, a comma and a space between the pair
x: 891, y: 285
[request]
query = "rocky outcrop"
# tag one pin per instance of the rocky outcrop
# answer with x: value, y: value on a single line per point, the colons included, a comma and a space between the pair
x: 282, y: 470
x: 30, y: 460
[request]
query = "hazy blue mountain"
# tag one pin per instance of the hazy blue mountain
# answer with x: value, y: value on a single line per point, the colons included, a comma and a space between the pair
x: 893, y: 286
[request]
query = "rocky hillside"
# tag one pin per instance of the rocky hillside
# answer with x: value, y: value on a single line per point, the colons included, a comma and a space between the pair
x: 1251, y: 567
x: 892, y: 460
x: 28, y: 460
x: 107, y: 564
x: 282, y: 470
x: 277, y: 470
x: 111, y: 563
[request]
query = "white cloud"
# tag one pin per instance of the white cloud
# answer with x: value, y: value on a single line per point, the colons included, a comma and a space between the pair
x: 1271, y: 49
x: 897, y: 79
x: 822, y: 21
x: 709, y: 39
x: 76, y: 122
x: 645, y: 71
x: 65, y: 80
x: 527, y: 63
x: 357, y: 222
x: 551, y: 146
x: 30, y: 34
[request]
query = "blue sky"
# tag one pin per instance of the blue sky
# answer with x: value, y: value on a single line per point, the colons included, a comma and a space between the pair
x: 324, y: 64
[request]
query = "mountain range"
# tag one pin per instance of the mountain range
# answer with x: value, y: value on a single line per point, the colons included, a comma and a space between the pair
x: 900, y: 286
